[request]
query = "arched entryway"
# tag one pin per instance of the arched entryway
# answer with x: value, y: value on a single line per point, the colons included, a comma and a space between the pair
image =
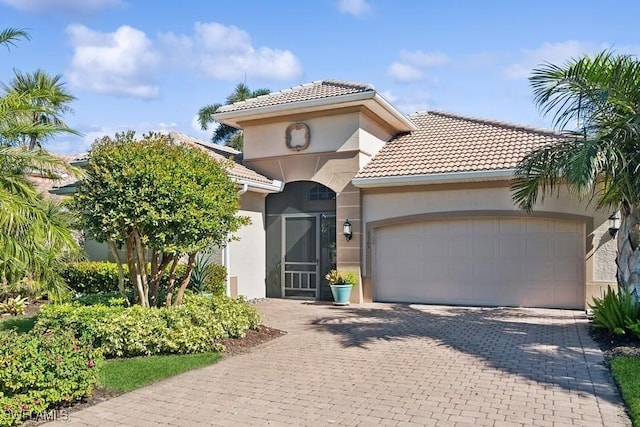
x: 301, y: 241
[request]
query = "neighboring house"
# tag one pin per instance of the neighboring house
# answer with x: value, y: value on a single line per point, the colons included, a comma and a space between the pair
x: 427, y: 197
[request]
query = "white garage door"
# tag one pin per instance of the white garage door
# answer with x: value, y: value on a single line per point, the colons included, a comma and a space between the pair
x: 502, y: 261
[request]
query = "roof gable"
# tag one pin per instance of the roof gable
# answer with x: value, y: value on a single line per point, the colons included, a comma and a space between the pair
x: 305, y: 92
x: 446, y: 143
x: 220, y: 153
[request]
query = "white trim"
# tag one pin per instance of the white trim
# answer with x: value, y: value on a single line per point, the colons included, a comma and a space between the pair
x: 231, y: 118
x: 433, y: 178
x: 261, y: 187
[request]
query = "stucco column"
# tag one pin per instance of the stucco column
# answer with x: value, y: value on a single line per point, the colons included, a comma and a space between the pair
x: 349, y: 253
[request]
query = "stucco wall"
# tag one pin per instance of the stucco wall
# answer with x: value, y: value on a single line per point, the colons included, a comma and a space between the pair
x: 392, y: 203
x: 247, y: 255
x: 328, y: 134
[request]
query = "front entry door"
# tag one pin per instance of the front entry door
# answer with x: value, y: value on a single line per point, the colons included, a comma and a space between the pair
x: 300, y: 263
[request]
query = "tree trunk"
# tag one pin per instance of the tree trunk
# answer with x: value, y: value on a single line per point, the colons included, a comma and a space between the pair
x: 628, y: 258
x: 187, y: 278
x: 154, y: 285
x: 33, y: 142
x: 116, y: 255
x: 142, y: 266
x: 134, y: 274
x: 172, y: 281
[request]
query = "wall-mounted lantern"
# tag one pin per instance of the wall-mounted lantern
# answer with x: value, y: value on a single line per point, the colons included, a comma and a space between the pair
x: 614, y: 224
x: 346, y: 230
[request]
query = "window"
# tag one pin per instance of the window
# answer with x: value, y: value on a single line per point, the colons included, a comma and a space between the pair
x: 320, y: 192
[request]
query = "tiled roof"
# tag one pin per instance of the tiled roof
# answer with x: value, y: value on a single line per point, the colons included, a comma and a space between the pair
x: 305, y: 92
x: 446, y: 143
x: 221, y: 152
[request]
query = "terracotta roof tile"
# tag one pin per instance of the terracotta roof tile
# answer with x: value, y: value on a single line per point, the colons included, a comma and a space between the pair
x: 221, y: 152
x: 305, y: 92
x: 446, y: 143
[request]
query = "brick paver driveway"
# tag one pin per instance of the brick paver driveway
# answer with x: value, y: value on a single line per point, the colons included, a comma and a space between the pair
x: 391, y: 365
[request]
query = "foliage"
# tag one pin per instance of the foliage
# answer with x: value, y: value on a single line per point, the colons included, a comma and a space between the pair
x: 194, y: 327
x: 155, y: 197
x: 615, y: 311
x: 626, y: 371
x: 34, y: 233
x: 38, y: 371
x: 14, y: 306
x: 599, y: 97
x: 21, y: 325
x: 125, y: 375
x: 337, y: 277
x: 9, y: 36
x: 45, y: 110
x: 226, y: 134
x: 98, y: 277
x: 208, y: 277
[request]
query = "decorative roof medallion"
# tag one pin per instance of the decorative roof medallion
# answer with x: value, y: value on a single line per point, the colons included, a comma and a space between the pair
x: 297, y: 136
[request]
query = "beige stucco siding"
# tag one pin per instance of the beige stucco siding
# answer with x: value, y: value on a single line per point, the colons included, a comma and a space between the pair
x: 396, y: 205
x: 328, y: 134
x: 247, y: 254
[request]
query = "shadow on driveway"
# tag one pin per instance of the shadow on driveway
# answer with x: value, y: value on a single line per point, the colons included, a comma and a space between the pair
x: 545, y: 346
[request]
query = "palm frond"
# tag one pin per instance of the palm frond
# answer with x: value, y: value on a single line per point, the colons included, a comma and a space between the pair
x: 9, y: 36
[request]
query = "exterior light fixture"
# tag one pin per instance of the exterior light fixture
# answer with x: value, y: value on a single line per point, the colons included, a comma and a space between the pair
x: 614, y: 224
x: 346, y: 230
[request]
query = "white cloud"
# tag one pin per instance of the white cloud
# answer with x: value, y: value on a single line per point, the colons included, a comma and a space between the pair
x: 64, y: 6
x: 419, y: 58
x: 81, y: 144
x: 197, y: 131
x: 226, y: 53
x: 409, y: 103
x: 119, y: 63
x: 411, y: 65
x: 405, y: 72
x: 555, y: 53
x: 357, y: 8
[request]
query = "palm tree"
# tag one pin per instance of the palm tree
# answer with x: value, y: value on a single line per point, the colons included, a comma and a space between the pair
x: 9, y: 36
x: 227, y: 134
x: 34, y: 234
x: 53, y: 99
x: 599, y: 96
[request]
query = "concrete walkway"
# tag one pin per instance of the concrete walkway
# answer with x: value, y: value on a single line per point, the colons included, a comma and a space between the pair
x: 387, y: 364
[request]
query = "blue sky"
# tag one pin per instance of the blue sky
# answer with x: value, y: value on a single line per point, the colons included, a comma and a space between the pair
x: 150, y: 65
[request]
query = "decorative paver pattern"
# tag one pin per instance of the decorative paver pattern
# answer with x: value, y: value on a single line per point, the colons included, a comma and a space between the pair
x: 390, y: 364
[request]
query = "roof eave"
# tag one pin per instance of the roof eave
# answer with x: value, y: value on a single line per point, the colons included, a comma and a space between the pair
x: 274, y: 186
x: 434, y: 178
x: 370, y: 99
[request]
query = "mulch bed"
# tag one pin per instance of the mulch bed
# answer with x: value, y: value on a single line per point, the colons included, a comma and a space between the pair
x: 615, y: 345
x: 233, y: 347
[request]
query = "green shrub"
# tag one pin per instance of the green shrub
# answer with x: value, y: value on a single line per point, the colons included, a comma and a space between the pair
x: 216, y: 279
x: 39, y: 370
x: 107, y: 298
x: 14, y: 306
x: 196, y: 326
x: 102, y: 277
x: 615, y: 311
x: 208, y: 277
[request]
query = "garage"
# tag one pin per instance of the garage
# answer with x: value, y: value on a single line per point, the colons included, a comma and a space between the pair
x: 488, y: 261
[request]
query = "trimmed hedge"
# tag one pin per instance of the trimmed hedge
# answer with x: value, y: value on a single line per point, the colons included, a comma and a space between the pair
x: 196, y: 326
x: 99, y: 277
x: 40, y: 370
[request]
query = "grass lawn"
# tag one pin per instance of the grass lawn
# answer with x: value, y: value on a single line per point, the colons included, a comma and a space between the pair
x: 20, y: 324
x: 129, y: 374
x: 626, y: 371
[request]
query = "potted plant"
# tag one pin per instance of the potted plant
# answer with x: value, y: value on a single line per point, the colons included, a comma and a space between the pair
x: 341, y: 284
